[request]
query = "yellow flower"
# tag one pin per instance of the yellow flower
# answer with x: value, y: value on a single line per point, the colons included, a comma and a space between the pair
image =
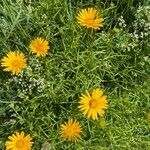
x: 70, y: 130
x: 94, y: 105
x: 19, y: 142
x: 39, y: 46
x: 14, y: 62
x: 89, y: 18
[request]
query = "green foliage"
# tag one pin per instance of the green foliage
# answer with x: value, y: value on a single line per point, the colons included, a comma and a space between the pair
x: 47, y: 92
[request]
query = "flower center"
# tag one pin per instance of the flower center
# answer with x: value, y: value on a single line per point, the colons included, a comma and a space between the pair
x: 39, y: 47
x: 89, y: 21
x: 93, y: 103
x: 71, y: 130
x: 15, y: 63
x: 19, y: 144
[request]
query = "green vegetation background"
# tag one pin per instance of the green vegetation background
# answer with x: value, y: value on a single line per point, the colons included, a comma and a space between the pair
x: 78, y: 59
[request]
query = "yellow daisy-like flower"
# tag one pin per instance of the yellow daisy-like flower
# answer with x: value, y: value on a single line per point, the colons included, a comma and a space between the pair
x: 14, y: 62
x: 70, y: 130
x: 93, y: 105
x: 39, y: 46
x: 19, y: 142
x: 89, y: 18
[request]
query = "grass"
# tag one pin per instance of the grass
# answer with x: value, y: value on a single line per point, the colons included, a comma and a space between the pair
x: 78, y: 59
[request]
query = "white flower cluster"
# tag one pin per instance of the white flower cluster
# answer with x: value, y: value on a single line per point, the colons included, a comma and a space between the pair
x: 133, y: 42
x: 142, y: 22
x: 31, y: 81
x: 140, y: 30
x: 28, y: 83
x: 121, y: 22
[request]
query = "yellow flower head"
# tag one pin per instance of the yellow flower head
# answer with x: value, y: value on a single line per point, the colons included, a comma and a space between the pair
x: 93, y: 105
x: 70, y: 130
x: 39, y: 46
x: 14, y: 62
x: 89, y: 18
x: 19, y: 142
